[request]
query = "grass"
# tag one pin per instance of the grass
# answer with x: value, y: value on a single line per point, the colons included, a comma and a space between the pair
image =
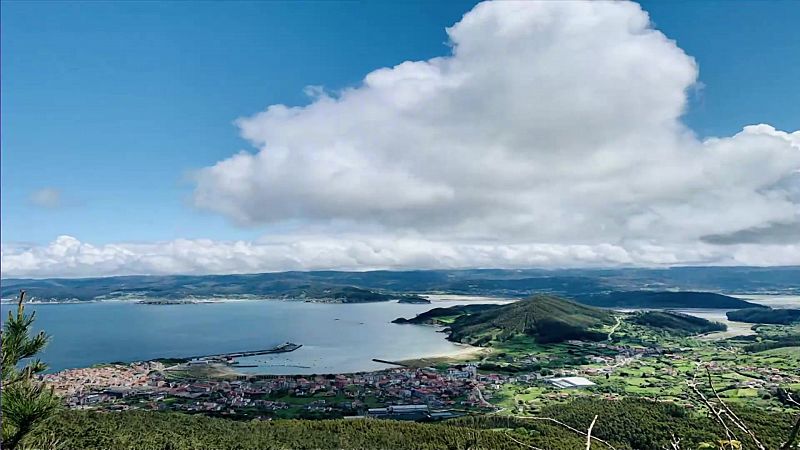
x: 658, y: 376
x: 783, y: 351
x: 206, y: 372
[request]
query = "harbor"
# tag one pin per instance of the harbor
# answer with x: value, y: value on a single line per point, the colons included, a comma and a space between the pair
x: 229, y: 358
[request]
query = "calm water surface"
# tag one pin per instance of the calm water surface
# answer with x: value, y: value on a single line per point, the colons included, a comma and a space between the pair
x: 335, y: 337
x: 774, y: 301
x: 740, y: 328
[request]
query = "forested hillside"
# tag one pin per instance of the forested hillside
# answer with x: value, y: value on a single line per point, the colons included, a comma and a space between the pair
x: 765, y: 315
x: 627, y: 424
x: 545, y: 318
x: 676, y: 323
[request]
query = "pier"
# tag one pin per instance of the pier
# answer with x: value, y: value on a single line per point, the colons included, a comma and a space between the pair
x: 393, y: 363
x: 283, y: 348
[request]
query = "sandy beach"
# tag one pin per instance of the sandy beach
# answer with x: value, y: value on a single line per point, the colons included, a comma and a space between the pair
x: 463, y: 353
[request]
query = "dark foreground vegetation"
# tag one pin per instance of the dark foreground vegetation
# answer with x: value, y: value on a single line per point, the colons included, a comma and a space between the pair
x: 26, y: 403
x: 626, y: 424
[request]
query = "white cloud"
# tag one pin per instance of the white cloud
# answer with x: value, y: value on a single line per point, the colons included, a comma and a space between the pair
x: 550, y: 135
x: 48, y: 197
x: 550, y: 123
x: 69, y: 257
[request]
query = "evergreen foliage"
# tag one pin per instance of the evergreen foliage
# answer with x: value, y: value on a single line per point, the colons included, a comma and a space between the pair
x: 544, y: 317
x: 676, y: 323
x: 627, y: 424
x: 765, y: 315
x: 25, y: 401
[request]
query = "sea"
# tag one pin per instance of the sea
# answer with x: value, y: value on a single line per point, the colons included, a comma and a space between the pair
x: 335, y: 338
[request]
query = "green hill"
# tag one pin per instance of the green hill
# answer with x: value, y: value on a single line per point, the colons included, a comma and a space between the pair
x: 765, y: 315
x: 544, y: 317
x: 445, y: 316
x: 676, y: 323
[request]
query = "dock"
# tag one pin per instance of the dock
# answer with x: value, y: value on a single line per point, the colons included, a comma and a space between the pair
x: 393, y: 363
x: 283, y: 348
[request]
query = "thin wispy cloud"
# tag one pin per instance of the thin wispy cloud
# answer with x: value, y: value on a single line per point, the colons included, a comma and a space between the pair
x: 48, y: 197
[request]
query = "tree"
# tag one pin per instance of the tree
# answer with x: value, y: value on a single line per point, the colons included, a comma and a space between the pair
x: 26, y: 402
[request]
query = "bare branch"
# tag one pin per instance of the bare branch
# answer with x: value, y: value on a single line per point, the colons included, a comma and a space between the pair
x: 728, y: 433
x: 731, y: 415
x: 790, y: 398
x: 796, y: 429
x: 675, y: 443
x: 792, y: 436
x: 589, y: 433
x: 573, y: 429
x: 508, y: 435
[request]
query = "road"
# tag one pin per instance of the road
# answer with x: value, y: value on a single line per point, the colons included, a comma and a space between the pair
x: 614, y: 328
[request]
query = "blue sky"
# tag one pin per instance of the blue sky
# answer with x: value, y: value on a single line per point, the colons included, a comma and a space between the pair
x: 114, y: 102
x: 113, y: 105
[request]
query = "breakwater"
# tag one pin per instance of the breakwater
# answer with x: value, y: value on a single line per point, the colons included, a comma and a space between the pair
x: 283, y: 348
x: 393, y: 363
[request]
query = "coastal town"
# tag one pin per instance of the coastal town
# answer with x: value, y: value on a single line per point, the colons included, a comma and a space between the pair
x: 501, y: 382
x: 387, y: 393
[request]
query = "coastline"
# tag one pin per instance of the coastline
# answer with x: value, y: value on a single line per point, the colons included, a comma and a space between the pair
x: 463, y: 353
x: 433, y: 298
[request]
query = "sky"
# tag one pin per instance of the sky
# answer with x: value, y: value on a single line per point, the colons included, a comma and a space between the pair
x: 234, y: 137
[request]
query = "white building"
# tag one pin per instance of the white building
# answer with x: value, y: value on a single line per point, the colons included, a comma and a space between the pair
x: 571, y: 382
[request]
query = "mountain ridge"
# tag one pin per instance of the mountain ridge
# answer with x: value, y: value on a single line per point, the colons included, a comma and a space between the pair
x: 594, y: 284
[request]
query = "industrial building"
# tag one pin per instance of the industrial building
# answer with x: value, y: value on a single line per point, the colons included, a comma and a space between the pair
x: 571, y: 382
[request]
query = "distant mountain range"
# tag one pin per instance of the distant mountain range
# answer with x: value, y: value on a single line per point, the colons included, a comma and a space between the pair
x: 607, y: 287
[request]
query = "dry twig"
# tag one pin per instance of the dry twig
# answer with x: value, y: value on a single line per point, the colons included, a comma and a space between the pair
x: 522, y: 443
x: 732, y: 416
x: 796, y: 429
x: 675, y: 443
x: 573, y: 429
x: 589, y: 433
x: 728, y: 433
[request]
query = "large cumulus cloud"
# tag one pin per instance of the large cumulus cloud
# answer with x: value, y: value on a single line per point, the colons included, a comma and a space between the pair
x: 549, y: 135
x: 550, y: 122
